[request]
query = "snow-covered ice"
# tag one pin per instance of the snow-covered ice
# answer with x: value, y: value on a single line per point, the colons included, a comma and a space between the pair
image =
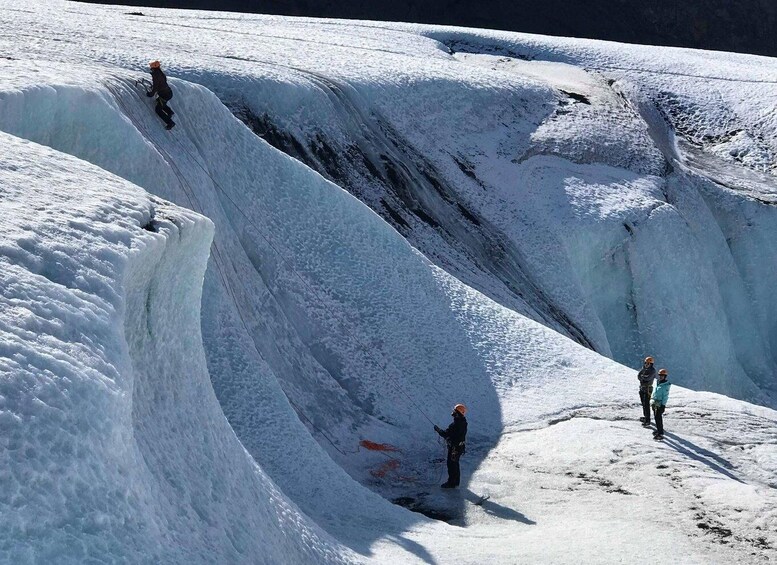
x: 113, y: 443
x: 197, y: 330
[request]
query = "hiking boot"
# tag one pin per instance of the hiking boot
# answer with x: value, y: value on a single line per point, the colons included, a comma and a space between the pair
x: 447, y: 485
x: 170, y: 126
x: 658, y: 437
x: 642, y: 419
x: 646, y: 425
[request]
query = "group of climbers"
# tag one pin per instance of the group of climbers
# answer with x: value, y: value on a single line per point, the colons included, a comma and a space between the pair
x: 455, y: 434
x: 655, y: 399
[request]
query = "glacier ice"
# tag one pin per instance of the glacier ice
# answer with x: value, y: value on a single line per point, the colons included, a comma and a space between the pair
x: 520, y: 179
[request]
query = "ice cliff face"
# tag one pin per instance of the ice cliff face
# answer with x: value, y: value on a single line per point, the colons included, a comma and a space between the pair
x: 610, y: 209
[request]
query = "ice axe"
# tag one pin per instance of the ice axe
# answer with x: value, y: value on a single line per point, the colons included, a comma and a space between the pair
x: 143, y: 83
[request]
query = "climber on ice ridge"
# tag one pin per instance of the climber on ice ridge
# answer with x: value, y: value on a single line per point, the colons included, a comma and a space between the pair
x: 163, y: 93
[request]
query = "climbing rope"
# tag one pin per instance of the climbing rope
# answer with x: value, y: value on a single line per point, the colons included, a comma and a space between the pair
x: 443, y: 459
x: 219, y: 263
x: 218, y: 260
x: 287, y: 263
x: 184, y: 185
x: 312, y: 290
x: 383, y: 449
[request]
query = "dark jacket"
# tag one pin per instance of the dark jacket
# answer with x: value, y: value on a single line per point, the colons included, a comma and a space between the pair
x: 159, y: 85
x: 646, y: 376
x: 456, y: 433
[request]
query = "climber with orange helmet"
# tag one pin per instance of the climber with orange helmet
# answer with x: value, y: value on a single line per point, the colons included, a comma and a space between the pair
x: 163, y: 93
x: 660, y: 397
x: 646, y: 377
x: 454, y: 435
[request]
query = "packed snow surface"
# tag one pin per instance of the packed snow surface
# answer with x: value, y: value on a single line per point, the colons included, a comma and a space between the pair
x: 206, y: 333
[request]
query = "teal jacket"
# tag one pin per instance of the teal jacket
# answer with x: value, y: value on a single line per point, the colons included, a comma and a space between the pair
x: 661, y: 394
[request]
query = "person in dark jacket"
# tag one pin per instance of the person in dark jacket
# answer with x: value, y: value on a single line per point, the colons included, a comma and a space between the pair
x: 646, y: 377
x: 163, y: 93
x: 454, y: 435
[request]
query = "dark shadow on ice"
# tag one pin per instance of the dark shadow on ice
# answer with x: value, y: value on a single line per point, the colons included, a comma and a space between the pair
x: 420, y: 505
x: 451, y: 506
x: 690, y: 449
x: 418, y: 199
x: 495, y: 509
x: 415, y: 548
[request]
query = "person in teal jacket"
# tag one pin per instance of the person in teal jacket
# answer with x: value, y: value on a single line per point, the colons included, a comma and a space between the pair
x: 658, y: 402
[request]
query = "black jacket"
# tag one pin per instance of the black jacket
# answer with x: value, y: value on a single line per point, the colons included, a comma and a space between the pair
x: 646, y: 376
x: 159, y: 84
x: 456, y: 433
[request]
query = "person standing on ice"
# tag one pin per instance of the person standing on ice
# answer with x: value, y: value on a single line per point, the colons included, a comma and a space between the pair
x: 163, y: 93
x: 660, y: 396
x: 454, y: 435
x: 646, y: 377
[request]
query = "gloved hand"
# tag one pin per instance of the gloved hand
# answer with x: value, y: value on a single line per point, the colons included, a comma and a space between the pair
x: 149, y: 93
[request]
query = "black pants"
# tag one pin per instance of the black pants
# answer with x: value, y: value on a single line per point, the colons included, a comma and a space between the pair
x: 659, y: 413
x: 454, y: 472
x: 644, y: 397
x: 163, y: 110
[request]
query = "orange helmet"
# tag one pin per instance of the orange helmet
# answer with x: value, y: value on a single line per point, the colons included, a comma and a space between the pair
x: 155, y: 64
x: 460, y: 408
x: 663, y: 372
x: 648, y: 359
